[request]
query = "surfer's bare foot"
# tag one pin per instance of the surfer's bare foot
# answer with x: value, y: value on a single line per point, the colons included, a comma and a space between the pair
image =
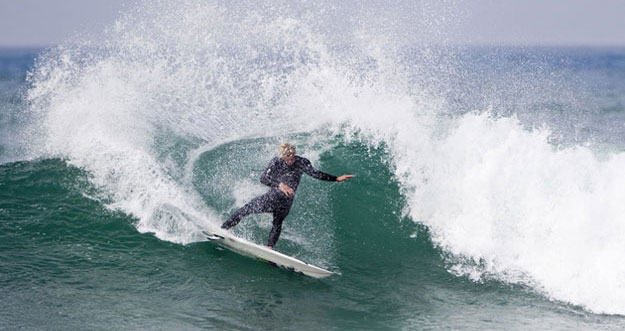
x: 270, y: 247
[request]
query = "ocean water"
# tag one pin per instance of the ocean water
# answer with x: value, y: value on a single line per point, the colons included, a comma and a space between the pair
x: 488, y: 192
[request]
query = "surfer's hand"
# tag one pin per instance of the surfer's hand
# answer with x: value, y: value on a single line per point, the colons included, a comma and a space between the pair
x: 288, y: 191
x: 344, y: 178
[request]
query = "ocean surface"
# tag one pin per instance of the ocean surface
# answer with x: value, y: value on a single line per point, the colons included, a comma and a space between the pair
x: 489, y: 189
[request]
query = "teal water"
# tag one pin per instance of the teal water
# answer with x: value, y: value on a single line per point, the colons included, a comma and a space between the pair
x: 488, y: 189
x: 69, y: 263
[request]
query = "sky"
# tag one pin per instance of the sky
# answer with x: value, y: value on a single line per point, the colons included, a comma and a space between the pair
x: 49, y: 22
x: 546, y: 22
x: 507, y: 22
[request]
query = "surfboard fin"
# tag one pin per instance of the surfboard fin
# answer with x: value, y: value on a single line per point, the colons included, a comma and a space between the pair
x: 212, y: 236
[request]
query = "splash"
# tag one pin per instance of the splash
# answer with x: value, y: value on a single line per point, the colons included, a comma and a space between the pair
x: 170, y: 83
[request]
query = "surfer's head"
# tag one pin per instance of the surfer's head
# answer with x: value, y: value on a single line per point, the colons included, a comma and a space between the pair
x: 287, y: 153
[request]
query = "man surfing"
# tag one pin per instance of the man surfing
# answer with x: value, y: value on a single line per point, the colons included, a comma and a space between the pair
x: 282, y: 175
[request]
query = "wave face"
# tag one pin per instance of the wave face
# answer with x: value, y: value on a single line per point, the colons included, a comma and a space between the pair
x: 511, y: 158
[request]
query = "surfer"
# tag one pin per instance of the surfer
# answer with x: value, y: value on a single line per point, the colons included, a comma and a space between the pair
x: 282, y: 175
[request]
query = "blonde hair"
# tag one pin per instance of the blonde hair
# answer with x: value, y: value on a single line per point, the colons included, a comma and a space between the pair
x: 286, y: 149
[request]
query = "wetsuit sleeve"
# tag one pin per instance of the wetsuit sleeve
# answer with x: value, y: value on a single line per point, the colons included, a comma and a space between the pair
x: 314, y: 173
x: 267, y: 176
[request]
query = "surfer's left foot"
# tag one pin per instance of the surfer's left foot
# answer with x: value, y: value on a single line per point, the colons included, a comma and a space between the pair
x: 270, y: 247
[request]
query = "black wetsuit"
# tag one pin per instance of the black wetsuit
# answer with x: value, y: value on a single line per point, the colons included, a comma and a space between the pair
x: 275, y: 201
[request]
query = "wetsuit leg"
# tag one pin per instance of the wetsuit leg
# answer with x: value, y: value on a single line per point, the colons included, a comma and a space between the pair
x: 278, y: 216
x: 261, y: 204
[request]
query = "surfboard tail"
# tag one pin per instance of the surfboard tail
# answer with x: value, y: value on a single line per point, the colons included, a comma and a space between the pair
x: 266, y: 255
x: 212, y: 236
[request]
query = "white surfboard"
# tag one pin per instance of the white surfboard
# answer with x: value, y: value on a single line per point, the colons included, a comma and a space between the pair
x: 265, y: 254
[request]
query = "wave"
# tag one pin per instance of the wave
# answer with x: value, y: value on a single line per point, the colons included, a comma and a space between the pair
x: 171, y: 83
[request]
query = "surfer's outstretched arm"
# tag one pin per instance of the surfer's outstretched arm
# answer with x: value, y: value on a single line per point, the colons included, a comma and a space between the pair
x: 314, y: 173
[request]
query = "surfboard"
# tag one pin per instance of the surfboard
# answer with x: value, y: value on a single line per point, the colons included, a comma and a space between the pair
x: 265, y: 254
